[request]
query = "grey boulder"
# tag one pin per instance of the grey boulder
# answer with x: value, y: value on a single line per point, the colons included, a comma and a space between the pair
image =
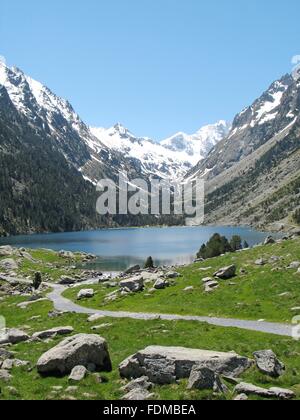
x: 43, y: 335
x: 14, y: 336
x: 9, y: 264
x: 85, y: 294
x: 79, y: 350
x: 249, y: 389
x: 226, y: 273
x: 267, y: 363
x: 165, y: 365
x: 78, y: 373
x: 204, y: 378
x: 134, y: 284
x: 161, y: 284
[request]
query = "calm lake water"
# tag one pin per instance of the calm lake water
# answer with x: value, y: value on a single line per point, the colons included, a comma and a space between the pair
x: 118, y: 249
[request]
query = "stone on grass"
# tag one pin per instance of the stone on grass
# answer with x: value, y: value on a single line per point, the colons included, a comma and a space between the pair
x: 161, y: 284
x: 260, y: 262
x: 249, y: 389
x: 267, y: 363
x: 8, y: 264
x: 226, y: 272
x: 188, y: 289
x: 95, y: 317
x: 203, y: 378
x: 139, y: 383
x: 66, y: 254
x: 241, y: 397
x: 269, y: 240
x: 66, y: 280
x: 5, y: 376
x: 138, y: 394
x: 43, y: 335
x: 85, y: 294
x: 165, y: 365
x: 78, y: 373
x: 81, y: 349
x: 14, y: 336
x: 211, y: 286
x: 294, y: 265
x: 134, y: 284
x: 24, y: 305
x: 172, y: 275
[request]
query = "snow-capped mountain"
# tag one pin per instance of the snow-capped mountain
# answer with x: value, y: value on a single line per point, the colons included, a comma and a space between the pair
x: 98, y: 152
x: 197, y: 146
x: 171, y: 158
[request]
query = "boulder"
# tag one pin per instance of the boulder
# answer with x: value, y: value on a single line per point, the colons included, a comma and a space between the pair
x: 44, y: 335
x: 249, y: 389
x: 134, y: 284
x: 79, y: 350
x: 294, y: 265
x: 172, y: 275
x: 139, y: 383
x: 132, y: 270
x: 78, y: 373
x: 269, y: 240
x: 138, y: 394
x: 85, y: 294
x: 207, y: 280
x: 260, y: 261
x: 5, y: 376
x: 161, y: 284
x: 211, y: 286
x: 9, y: 264
x: 267, y: 363
x: 8, y: 364
x: 164, y: 365
x: 95, y: 317
x: 6, y: 251
x: 14, y: 336
x: 226, y: 272
x: 204, y: 378
x: 66, y: 280
x: 5, y: 354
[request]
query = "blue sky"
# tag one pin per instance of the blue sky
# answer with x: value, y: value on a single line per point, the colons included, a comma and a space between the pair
x: 157, y: 66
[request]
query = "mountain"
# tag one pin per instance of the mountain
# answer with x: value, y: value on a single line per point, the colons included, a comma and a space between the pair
x: 171, y: 158
x: 252, y: 175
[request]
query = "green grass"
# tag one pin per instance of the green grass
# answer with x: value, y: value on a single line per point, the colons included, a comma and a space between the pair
x: 125, y: 337
x: 254, y: 296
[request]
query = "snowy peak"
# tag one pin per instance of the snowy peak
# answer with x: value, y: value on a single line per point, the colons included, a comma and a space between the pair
x: 198, y: 145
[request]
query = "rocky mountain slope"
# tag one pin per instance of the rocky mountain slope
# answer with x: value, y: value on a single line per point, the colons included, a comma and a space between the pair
x: 252, y: 175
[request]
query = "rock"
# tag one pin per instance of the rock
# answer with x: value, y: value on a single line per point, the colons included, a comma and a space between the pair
x: 188, y: 289
x: 226, y: 272
x: 204, y: 378
x: 249, y: 389
x: 267, y: 363
x: 294, y: 265
x: 43, y: 335
x: 134, y: 284
x: 95, y: 317
x: 72, y: 389
x: 138, y: 394
x: 140, y: 383
x: 207, y: 280
x: 85, y: 294
x: 6, y: 251
x: 24, y: 305
x: 9, y: 264
x: 4, y: 354
x: 164, y: 365
x: 260, y: 261
x: 5, y: 376
x: 12, y: 391
x: 14, y: 336
x: 241, y: 397
x: 78, y: 373
x: 161, y: 284
x: 172, y: 275
x: 132, y: 270
x: 79, y: 350
x: 66, y: 280
x: 211, y: 286
x: 66, y: 254
x: 9, y: 364
x: 269, y: 240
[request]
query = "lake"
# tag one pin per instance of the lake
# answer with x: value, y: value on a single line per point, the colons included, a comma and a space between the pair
x: 118, y: 249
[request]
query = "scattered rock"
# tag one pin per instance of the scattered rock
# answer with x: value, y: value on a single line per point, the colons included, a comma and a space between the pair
x: 211, y: 286
x: 85, y: 294
x: 188, y: 289
x: 66, y: 281
x: 66, y: 254
x: 81, y: 349
x: 43, y: 335
x: 204, y: 378
x: 249, y: 389
x: 14, y: 336
x: 132, y: 270
x: 294, y: 265
x: 134, y: 284
x: 5, y: 376
x: 6, y: 251
x: 139, y: 383
x: 207, y: 280
x: 172, y: 275
x: 78, y: 373
x: 226, y: 272
x: 164, y: 365
x: 5, y: 354
x: 95, y: 317
x: 267, y: 363
x: 260, y: 262
x: 138, y: 394
x: 161, y: 284
x: 24, y: 305
x: 241, y: 397
x: 9, y: 264
x: 269, y: 240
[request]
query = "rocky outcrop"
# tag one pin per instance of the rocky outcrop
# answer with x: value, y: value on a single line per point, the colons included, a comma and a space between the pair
x: 279, y: 393
x: 164, y: 365
x: 267, y: 363
x: 79, y: 350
